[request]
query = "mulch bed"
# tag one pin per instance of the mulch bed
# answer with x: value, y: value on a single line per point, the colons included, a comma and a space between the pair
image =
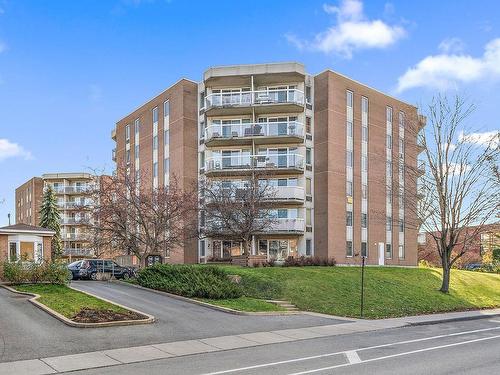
x: 102, y: 316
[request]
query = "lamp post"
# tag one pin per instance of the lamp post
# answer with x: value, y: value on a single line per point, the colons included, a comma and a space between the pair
x: 363, y: 258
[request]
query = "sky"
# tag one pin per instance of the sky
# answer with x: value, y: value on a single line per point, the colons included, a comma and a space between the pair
x: 70, y: 69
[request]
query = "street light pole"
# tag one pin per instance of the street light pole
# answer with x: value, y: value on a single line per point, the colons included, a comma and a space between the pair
x: 363, y: 257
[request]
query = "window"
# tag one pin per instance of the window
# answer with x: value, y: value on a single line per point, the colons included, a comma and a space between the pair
x: 364, y: 191
x: 349, y: 158
x: 348, y: 248
x: 401, y: 225
x: 389, y: 169
x: 202, y: 100
x: 166, y: 137
x: 308, y: 94
x: 389, y: 195
x: 401, y: 147
x: 136, y: 151
x: 12, y: 251
x: 308, y: 125
x: 155, y: 142
x: 308, y: 156
x: 155, y: 114
x: 364, y: 134
x: 401, y: 252
x: 166, y: 109
x: 364, y: 220
x: 388, y: 113
x: 364, y: 163
x: 388, y: 224
x: 348, y: 188
x: 364, y: 249
x: 127, y: 156
x: 308, y: 186
x: 349, y: 98
x: 388, y: 251
x: 127, y: 133
x: 364, y: 105
x: 166, y: 165
x: 349, y: 128
x: 389, y: 141
x: 155, y: 170
x: 137, y: 125
x: 308, y: 247
x: 348, y: 219
x: 202, y: 248
x: 308, y: 216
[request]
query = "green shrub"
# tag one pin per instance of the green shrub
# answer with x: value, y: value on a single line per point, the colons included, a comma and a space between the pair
x: 490, y: 268
x: 496, y: 255
x: 34, y: 273
x: 304, y: 261
x: 190, y: 281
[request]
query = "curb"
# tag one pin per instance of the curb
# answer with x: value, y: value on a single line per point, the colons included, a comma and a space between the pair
x: 150, y: 318
x: 209, y: 305
x: 451, y: 320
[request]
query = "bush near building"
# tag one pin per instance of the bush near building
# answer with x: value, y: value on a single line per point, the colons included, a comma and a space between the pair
x: 35, y: 273
x: 190, y: 281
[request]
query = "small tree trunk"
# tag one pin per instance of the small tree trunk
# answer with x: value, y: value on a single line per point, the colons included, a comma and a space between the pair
x: 445, y: 286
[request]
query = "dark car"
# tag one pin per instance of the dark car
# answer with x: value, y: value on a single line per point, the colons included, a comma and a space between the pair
x: 90, y: 267
x: 74, y: 268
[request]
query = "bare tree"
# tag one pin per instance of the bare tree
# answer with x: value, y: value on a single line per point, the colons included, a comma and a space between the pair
x: 457, y: 195
x: 131, y: 217
x: 237, y: 209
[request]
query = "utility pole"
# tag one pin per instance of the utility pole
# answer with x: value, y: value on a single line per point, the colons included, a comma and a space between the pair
x: 363, y: 258
x: 8, y: 215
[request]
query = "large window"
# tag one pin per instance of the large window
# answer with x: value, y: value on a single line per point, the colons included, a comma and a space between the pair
x: 308, y: 156
x: 137, y: 125
x: 308, y: 247
x: 348, y: 249
x: 364, y: 249
x: 348, y: 219
x: 155, y: 114
x: 127, y: 133
x: 308, y: 186
x: 13, y: 252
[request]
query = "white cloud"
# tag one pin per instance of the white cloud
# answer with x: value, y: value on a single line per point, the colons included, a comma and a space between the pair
x: 481, y: 139
x: 353, y: 31
x: 9, y: 149
x: 445, y: 70
x: 452, y: 45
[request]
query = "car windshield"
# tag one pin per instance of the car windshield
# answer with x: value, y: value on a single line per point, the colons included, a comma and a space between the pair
x: 75, y: 264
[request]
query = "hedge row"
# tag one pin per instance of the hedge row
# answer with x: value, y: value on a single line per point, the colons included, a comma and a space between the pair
x: 190, y: 281
x: 30, y: 272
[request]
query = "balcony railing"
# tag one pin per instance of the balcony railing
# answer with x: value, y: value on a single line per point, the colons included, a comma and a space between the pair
x: 259, y: 129
x: 248, y: 162
x: 72, y: 236
x: 287, y: 225
x: 79, y: 252
x: 71, y: 220
x: 259, y: 97
x: 70, y: 189
x: 288, y: 193
x: 72, y: 205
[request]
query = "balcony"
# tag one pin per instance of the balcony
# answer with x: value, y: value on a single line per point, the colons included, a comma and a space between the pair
x: 245, y: 164
x: 113, y: 154
x: 113, y: 134
x: 260, y: 132
x: 263, y: 101
x: 71, y: 221
x: 65, y: 236
x: 73, y: 205
x: 296, y: 225
x: 288, y: 194
x: 78, y: 252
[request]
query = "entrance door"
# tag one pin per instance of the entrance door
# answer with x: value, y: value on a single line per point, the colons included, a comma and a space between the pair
x: 381, y: 254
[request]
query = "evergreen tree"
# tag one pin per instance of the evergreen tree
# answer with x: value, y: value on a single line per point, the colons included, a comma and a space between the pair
x: 50, y: 218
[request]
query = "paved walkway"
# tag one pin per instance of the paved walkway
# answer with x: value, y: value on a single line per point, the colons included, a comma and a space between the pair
x: 105, y: 358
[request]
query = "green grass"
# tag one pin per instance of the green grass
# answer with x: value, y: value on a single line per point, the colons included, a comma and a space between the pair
x: 244, y: 304
x: 389, y: 291
x: 66, y: 301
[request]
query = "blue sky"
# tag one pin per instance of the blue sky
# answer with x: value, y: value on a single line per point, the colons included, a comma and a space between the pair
x: 70, y: 69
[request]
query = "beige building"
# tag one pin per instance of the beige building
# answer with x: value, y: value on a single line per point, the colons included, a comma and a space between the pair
x: 337, y: 151
x: 71, y: 192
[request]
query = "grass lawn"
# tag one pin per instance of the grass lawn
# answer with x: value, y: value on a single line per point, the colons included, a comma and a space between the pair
x: 244, y: 304
x: 389, y: 291
x: 67, y: 301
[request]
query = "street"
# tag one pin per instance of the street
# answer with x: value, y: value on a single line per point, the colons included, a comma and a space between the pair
x: 467, y: 347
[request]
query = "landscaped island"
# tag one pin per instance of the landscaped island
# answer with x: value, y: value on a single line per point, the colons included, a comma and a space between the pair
x: 389, y: 291
x: 77, y: 306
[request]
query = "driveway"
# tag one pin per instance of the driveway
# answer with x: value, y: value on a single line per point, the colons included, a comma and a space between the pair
x: 27, y: 332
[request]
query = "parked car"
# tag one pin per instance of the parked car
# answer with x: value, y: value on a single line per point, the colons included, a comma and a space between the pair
x: 90, y: 267
x: 74, y: 268
x: 472, y: 266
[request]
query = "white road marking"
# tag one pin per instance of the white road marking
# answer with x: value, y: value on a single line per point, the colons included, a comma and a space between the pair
x: 495, y: 321
x: 344, y: 351
x: 353, y: 357
x: 397, y: 355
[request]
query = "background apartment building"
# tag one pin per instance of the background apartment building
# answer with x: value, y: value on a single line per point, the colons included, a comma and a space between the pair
x: 71, y: 192
x: 336, y: 151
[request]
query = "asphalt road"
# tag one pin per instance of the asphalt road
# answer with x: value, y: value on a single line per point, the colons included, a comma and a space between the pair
x: 468, y: 347
x: 27, y: 332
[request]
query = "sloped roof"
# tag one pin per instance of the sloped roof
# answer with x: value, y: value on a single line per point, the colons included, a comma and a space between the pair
x: 25, y: 228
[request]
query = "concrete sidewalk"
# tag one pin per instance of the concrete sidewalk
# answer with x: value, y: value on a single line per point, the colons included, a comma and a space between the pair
x: 105, y: 358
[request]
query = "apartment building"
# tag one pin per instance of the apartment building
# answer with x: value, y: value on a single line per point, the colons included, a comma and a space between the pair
x: 71, y: 192
x: 335, y: 150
